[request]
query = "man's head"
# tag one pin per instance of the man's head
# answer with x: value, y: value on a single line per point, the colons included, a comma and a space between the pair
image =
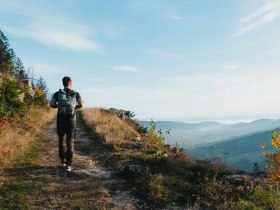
x: 67, y: 82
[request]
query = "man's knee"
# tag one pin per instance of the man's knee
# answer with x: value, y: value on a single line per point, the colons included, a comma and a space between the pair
x: 70, y: 143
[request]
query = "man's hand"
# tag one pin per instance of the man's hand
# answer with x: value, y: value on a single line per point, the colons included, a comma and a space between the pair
x: 80, y: 103
x: 53, y: 103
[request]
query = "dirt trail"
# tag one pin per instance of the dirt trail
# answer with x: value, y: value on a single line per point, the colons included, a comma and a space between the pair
x: 92, y: 183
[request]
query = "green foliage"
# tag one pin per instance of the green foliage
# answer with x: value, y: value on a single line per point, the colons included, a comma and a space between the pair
x: 41, y: 92
x: 6, y: 55
x: 258, y: 198
x: 266, y: 199
x: 19, y: 70
x: 14, y: 196
x: 273, y: 160
x: 16, y: 93
x: 154, y: 136
x: 245, y: 205
x: 256, y: 168
x: 10, y: 102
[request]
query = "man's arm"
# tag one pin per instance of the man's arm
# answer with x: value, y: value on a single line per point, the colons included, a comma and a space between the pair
x: 53, y: 103
x: 80, y: 103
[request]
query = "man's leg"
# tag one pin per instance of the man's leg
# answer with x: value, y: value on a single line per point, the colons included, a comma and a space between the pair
x: 61, y: 131
x: 70, y: 133
x: 62, y: 148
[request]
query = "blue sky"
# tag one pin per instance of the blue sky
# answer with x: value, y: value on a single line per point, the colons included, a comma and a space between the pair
x: 182, y: 59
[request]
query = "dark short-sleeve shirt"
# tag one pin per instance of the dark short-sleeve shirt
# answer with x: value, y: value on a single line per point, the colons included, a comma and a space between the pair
x: 55, y: 96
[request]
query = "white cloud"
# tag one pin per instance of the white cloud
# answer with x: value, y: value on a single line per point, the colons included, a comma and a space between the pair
x: 72, y: 38
x: 195, y: 96
x: 45, y: 69
x: 97, y: 79
x: 171, y: 15
x: 236, y: 47
x: 264, y: 15
x: 229, y: 66
x: 160, y: 9
x: 38, y: 20
x: 126, y: 68
x: 271, y: 6
x: 273, y: 51
x: 207, y: 79
x: 163, y: 54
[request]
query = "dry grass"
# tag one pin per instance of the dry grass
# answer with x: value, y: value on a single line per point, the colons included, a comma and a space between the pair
x: 111, y: 128
x: 18, y: 133
x: 175, y: 178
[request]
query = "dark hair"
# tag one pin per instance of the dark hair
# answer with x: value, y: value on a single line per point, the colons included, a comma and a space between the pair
x: 66, y: 80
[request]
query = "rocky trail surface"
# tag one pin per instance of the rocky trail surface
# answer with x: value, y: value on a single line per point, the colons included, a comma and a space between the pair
x: 92, y: 184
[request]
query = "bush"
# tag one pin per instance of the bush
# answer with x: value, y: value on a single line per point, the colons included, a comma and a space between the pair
x: 10, y: 102
x: 154, y: 136
x: 273, y: 160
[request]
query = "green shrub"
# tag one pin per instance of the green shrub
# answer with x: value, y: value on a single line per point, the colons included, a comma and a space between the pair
x: 10, y: 102
x: 245, y: 205
x: 266, y: 199
x: 154, y: 136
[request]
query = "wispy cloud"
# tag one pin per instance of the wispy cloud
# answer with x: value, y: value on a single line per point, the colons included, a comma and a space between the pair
x: 160, y: 8
x: 229, y: 66
x: 112, y: 29
x: 262, y: 16
x: 207, y: 79
x: 126, y: 68
x: 236, y: 47
x: 40, y: 22
x: 45, y: 69
x: 163, y: 54
x: 269, y: 52
x: 171, y: 16
x: 96, y: 79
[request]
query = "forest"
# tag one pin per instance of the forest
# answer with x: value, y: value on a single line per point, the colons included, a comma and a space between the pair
x: 19, y: 88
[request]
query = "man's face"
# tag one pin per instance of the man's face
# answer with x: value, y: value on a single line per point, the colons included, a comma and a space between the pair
x: 70, y: 85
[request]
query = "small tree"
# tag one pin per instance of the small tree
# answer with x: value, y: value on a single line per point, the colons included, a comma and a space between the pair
x: 41, y: 92
x: 273, y: 160
x: 155, y: 136
x: 10, y: 102
x: 7, y: 55
x: 256, y: 168
x: 19, y: 71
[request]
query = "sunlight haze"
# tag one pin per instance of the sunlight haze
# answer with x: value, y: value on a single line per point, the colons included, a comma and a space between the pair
x: 194, y: 60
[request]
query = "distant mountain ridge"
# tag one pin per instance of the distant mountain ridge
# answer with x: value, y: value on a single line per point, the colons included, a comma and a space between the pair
x: 181, y: 125
x: 242, y: 152
x: 193, y: 134
x: 238, y: 144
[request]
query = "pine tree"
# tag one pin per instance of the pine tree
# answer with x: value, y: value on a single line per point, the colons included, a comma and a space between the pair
x: 10, y: 102
x: 7, y: 55
x: 256, y: 168
x: 41, y: 91
x: 19, y: 71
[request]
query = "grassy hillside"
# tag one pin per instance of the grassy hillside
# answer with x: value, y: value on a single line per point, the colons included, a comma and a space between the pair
x: 168, y: 178
x: 23, y: 104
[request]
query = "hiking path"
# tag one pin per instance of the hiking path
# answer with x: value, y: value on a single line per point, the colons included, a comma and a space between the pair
x: 92, y: 184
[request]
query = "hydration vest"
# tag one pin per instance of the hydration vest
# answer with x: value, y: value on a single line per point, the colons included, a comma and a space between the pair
x: 66, y: 102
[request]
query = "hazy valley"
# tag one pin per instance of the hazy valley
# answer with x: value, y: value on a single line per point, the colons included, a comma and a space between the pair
x: 237, y: 144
